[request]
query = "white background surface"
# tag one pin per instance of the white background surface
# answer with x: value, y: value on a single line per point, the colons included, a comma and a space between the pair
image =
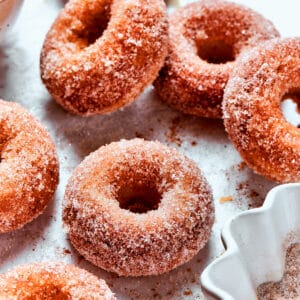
x: 75, y: 137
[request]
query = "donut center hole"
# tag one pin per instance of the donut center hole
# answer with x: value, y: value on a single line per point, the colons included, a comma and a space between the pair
x: 139, y: 199
x: 290, y: 107
x: 215, y: 51
x: 95, y: 25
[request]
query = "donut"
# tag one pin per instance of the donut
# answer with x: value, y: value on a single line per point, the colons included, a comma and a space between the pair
x: 136, y: 208
x: 205, y: 39
x: 99, y: 55
x: 52, y: 280
x: 28, y: 167
x: 265, y: 76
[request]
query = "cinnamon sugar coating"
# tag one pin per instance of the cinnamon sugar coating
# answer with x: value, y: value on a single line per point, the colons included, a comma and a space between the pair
x: 128, y: 241
x: 52, y: 280
x: 288, y: 288
x: 205, y: 39
x: 252, y: 114
x: 28, y: 167
x: 100, y: 55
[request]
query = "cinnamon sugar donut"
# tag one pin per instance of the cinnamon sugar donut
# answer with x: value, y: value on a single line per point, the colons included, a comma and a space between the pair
x: 28, y: 167
x: 99, y: 55
x: 265, y: 76
x: 138, y: 208
x: 48, y: 281
x: 205, y: 39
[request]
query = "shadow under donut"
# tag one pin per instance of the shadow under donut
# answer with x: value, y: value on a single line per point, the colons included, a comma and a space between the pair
x: 3, y: 69
x: 146, y: 118
x: 15, y: 241
x: 175, y: 283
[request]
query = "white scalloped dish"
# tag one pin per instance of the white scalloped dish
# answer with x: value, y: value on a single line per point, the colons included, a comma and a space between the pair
x: 256, y: 242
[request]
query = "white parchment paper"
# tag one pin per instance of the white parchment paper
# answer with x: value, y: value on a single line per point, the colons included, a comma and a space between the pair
x: 202, y: 140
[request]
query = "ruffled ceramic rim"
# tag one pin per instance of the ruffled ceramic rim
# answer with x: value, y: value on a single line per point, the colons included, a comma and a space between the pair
x: 230, y: 244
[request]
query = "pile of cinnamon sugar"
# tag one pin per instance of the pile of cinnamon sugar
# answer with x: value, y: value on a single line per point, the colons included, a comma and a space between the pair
x: 289, y: 286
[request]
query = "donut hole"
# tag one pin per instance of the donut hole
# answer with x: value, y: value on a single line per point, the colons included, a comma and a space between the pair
x: 139, y: 199
x: 290, y: 107
x: 95, y: 25
x: 215, y: 51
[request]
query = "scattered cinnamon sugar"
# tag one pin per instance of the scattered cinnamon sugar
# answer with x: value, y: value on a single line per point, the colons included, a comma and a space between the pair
x: 62, y: 251
x: 241, y: 166
x: 188, y: 292
x: 66, y: 251
x: 172, y: 134
x: 225, y: 199
x: 245, y: 191
x: 289, y: 286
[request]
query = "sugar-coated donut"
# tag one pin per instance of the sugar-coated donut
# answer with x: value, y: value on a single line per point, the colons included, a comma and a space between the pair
x: 28, y: 167
x: 91, y: 69
x: 138, y: 208
x: 205, y: 39
x: 265, y: 76
x: 52, y: 280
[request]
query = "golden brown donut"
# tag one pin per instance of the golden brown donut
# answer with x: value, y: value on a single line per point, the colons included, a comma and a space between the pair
x: 264, y: 77
x: 52, y: 281
x: 138, y: 208
x: 28, y: 167
x: 99, y: 55
x: 205, y: 39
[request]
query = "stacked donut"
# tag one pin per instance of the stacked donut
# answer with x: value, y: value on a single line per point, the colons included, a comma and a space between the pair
x: 214, y: 70
x: 138, y: 207
x: 266, y: 75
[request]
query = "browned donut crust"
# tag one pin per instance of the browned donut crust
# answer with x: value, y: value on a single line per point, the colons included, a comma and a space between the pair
x: 252, y: 114
x: 90, y: 75
x: 28, y: 167
x: 205, y: 38
x: 52, y: 281
x: 138, y: 208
